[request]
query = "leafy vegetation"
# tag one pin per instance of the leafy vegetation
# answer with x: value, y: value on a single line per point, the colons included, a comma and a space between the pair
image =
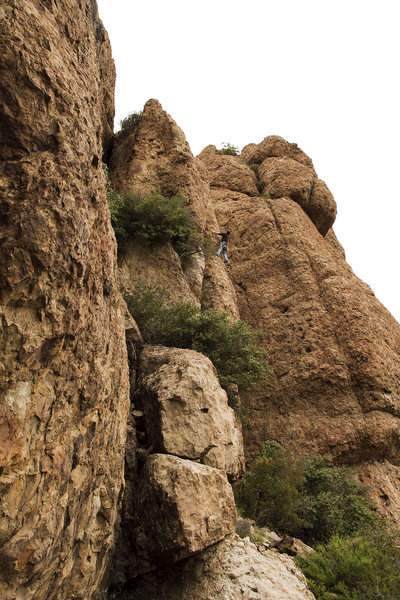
x: 332, y: 500
x: 359, y: 557
x: 305, y: 497
x: 228, y: 149
x: 153, y: 218
x: 365, y: 567
x: 270, y: 490
x: 131, y: 122
x: 231, y: 346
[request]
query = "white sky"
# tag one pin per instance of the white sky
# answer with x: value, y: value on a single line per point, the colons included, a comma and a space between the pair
x: 321, y: 73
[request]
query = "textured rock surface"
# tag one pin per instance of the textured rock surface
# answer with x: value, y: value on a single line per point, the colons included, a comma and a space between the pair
x: 231, y: 570
x: 383, y: 482
x: 186, y: 410
x: 333, y: 347
x: 285, y: 170
x: 157, y: 157
x: 228, y: 172
x: 63, y: 367
x: 179, y: 507
x: 157, y: 265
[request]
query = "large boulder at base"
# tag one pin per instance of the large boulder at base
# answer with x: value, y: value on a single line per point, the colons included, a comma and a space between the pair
x: 230, y: 570
x: 63, y: 372
x: 180, y: 507
x: 186, y: 410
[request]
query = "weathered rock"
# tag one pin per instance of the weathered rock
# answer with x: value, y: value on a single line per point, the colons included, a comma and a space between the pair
x: 285, y: 170
x: 218, y: 292
x: 229, y: 172
x: 63, y: 359
x: 382, y: 480
x: 187, y: 412
x: 333, y: 347
x: 157, y: 157
x: 274, y: 145
x: 286, y: 177
x: 293, y: 546
x: 156, y: 265
x: 229, y: 570
x: 180, y: 507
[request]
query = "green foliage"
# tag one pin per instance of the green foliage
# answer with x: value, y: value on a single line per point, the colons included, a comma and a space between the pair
x: 260, y: 186
x: 271, y: 488
x: 254, y: 167
x: 366, y: 567
x: 232, y: 347
x: 131, y: 122
x: 152, y: 218
x: 333, y: 500
x: 228, y: 149
x: 308, y: 497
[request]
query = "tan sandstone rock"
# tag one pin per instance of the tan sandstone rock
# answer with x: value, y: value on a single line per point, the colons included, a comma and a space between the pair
x: 158, y: 157
x: 229, y: 172
x: 180, y: 507
x: 186, y: 410
x: 63, y: 374
x: 333, y: 347
x: 230, y: 570
x: 285, y: 170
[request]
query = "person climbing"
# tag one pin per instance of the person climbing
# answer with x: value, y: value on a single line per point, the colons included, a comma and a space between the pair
x: 224, y: 245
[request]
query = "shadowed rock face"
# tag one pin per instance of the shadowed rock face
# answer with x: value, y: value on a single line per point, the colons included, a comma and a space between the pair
x: 63, y: 360
x: 229, y: 570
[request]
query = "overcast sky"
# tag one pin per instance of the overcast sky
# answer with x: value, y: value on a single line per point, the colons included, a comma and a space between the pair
x: 321, y: 73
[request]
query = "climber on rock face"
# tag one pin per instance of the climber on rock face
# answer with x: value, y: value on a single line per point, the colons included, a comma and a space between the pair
x: 224, y: 245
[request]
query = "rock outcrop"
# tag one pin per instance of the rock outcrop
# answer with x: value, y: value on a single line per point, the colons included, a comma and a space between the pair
x: 178, y: 500
x: 229, y: 570
x: 333, y: 347
x: 186, y: 410
x: 156, y: 156
x: 285, y: 170
x: 63, y: 368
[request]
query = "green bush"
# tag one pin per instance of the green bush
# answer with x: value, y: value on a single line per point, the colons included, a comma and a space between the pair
x: 228, y: 149
x: 270, y: 490
x: 231, y: 346
x: 366, y: 567
x: 333, y: 501
x: 131, y: 122
x: 152, y: 218
x: 319, y: 500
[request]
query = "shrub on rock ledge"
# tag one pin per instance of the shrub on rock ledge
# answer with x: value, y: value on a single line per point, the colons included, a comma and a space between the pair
x: 231, y: 346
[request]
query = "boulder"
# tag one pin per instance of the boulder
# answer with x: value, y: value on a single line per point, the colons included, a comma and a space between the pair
x: 293, y: 546
x: 229, y: 172
x: 286, y: 177
x: 229, y: 570
x: 181, y: 507
x: 274, y: 145
x: 186, y: 410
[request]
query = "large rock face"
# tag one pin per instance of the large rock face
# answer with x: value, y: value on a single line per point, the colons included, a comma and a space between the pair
x: 63, y: 360
x: 333, y: 347
x: 157, y: 157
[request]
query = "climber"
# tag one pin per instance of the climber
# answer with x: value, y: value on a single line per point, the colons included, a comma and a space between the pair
x: 224, y: 245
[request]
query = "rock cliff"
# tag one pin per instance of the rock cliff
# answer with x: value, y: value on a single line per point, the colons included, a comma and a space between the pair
x: 63, y: 370
x: 80, y: 393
